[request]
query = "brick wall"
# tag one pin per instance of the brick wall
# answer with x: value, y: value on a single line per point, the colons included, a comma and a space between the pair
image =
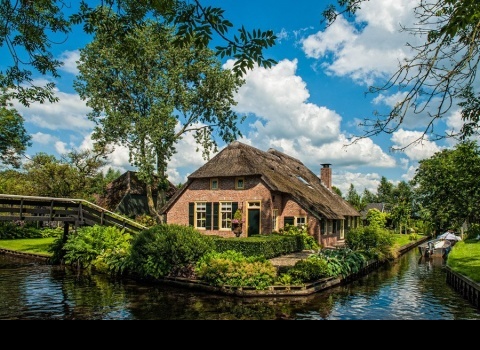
x: 254, y: 191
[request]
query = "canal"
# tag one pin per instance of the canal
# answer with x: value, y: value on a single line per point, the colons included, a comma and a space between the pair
x: 411, y: 288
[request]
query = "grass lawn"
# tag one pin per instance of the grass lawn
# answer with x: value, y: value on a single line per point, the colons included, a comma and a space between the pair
x: 464, y: 258
x: 28, y: 245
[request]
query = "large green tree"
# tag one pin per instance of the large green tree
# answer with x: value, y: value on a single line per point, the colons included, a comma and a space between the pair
x: 29, y: 29
x: 14, y: 139
x: 146, y: 93
x: 447, y: 187
x: 441, y: 73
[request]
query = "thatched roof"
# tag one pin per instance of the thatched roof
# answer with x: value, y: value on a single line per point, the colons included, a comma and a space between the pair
x: 280, y: 173
x: 127, y: 183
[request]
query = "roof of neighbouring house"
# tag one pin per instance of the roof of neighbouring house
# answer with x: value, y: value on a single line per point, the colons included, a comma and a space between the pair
x: 127, y: 183
x: 279, y: 172
x: 381, y: 207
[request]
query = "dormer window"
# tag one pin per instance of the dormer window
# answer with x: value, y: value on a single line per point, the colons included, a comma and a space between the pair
x: 239, y: 183
x: 214, y: 184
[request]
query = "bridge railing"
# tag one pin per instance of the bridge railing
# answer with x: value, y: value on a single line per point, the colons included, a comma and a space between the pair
x: 78, y: 212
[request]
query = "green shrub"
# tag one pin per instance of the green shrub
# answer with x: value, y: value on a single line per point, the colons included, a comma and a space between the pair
x: 168, y: 250
x: 309, y: 242
x: 374, y: 242
x: 104, y: 248
x: 304, y: 271
x: 232, y: 268
x: 473, y: 231
x: 344, y: 261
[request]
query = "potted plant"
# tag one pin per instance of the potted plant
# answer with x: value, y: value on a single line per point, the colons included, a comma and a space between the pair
x: 237, y: 223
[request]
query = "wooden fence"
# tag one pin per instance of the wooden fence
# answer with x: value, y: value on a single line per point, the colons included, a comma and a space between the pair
x: 75, y: 212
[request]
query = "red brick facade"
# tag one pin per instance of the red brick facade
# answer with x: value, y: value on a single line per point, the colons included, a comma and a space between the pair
x: 255, y: 196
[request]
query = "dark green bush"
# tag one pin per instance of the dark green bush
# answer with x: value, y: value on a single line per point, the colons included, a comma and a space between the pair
x: 168, y: 250
x: 304, y: 271
x: 104, y: 248
x: 374, y: 242
x: 232, y: 268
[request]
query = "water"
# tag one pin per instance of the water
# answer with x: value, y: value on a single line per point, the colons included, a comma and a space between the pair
x: 411, y: 288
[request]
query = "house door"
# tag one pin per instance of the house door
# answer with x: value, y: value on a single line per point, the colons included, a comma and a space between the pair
x: 253, y: 218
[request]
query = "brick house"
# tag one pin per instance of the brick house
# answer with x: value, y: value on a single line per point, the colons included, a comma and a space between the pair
x: 271, y: 190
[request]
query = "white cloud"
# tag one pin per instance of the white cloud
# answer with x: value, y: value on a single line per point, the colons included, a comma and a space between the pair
x: 43, y: 139
x: 416, y: 150
x: 369, y: 48
x: 70, y: 113
x: 69, y: 59
x: 360, y: 181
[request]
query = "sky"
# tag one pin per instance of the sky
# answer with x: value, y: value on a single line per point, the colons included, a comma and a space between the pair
x: 308, y: 105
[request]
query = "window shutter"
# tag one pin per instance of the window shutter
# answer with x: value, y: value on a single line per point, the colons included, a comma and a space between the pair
x: 208, y: 219
x: 216, y: 207
x: 234, y: 208
x: 290, y: 220
x: 191, y: 214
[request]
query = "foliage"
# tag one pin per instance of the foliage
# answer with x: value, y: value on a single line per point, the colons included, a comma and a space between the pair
x: 13, y: 137
x: 353, y: 198
x: 373, y: 241
x: 375, y: 218
x: 473, y: 231
x: 103, y: 248
x: 145, y: 220
x: 446, y: 185
x: 237, y: 217
x: 308, y: 270
x: 21, y: 229
x: 343, y: 262
x: 30, y: 28
x: 152, y: 95
x: 450, y: 32
x: 15, y: 182
x: 168, y: 250
x: 232, y: 268
x: 309, y: 242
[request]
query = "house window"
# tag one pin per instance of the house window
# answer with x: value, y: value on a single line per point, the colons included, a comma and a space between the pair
x: 201, y: 214
x: 275, y: 220
x: 214, y: 184
x: 301, y: 221
x: 226, y: 215
x: 239, y: 183
x: 329, y: 228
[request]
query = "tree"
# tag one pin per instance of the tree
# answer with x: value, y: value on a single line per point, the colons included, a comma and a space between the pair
x: 146, y: 93
x: 13, y: 137
x: 401, y: 205
x: 337, y: 191
x: 30, y: 28
x: 368, y: 197
x: 446, y: 186
x: 50, y: 177
x: 384, y: 191
x: 353, y: 198
x: 440, y: 74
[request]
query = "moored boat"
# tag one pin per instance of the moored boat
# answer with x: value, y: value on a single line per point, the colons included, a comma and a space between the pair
x: 435, y: 247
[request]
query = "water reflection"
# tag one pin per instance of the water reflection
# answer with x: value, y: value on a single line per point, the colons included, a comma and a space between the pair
x: 410, y: 288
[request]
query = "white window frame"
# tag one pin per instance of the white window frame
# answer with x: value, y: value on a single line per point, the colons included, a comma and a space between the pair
x: 201, y: 215
x: 225, y: 215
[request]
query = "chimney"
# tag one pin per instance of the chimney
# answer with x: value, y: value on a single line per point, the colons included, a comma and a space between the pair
x: 326, y: 175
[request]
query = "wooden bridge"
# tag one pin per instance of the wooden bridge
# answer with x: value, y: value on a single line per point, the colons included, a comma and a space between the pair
x: 75, y: 212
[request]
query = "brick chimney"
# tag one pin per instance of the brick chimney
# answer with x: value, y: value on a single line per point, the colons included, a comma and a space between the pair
x: 326, y: 175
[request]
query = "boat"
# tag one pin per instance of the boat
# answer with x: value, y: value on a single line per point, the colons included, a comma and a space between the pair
x: 435, y: 247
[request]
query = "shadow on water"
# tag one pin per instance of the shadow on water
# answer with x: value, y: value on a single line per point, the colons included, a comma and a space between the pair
x: 410, y: 288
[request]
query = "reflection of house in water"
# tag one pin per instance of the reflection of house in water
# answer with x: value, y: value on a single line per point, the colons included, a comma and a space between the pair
x: 127, y: 195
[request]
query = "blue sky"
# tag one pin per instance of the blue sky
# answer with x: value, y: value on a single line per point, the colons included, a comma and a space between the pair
x: 308, y: 105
